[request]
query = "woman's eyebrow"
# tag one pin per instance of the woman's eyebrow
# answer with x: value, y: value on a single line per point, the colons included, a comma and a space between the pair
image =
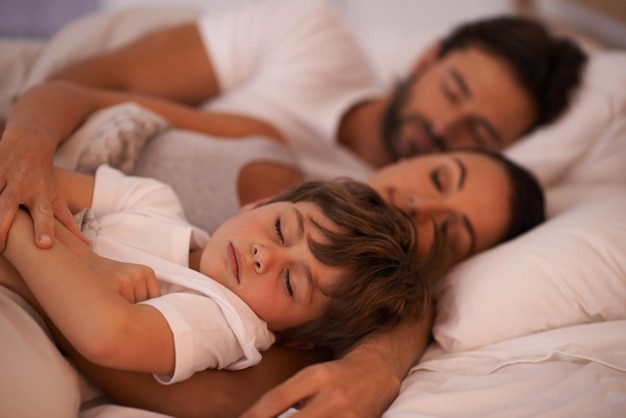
x: 463, y: 171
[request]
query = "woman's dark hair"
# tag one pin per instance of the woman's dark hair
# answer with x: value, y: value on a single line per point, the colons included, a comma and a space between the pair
x: 527, y: 200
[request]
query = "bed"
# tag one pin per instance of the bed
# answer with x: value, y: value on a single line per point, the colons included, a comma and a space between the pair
x: 534, y: 327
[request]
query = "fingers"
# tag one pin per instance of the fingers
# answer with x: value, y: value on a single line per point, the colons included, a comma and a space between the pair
x: 8, y: 208
x: 153, y: 287
x: 294, y: 391
x: 43, y: 220
x: 62, y: 214
x: 147, y: 286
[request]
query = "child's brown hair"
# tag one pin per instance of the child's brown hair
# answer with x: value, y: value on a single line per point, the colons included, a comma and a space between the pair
x: 375, y: 245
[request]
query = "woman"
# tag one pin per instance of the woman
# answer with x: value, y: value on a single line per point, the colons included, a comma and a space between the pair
x: 451, y: 192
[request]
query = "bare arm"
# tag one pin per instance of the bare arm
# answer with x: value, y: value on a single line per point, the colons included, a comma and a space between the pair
x: 214, y: 393
x: 171, y: 63
x: 94, y: 318
x: 48, y: 113
x: 361, y: 384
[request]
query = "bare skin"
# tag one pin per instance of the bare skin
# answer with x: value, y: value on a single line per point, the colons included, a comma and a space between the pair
x: 26, y: 178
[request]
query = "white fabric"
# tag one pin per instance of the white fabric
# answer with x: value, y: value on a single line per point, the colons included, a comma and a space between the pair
x: 588, y: 142
x: 570, y: 270
x: 297, y: 65
x: 141, y: 221
x: 114, y: 136
x: 577, y: 371
x: 35, y: 379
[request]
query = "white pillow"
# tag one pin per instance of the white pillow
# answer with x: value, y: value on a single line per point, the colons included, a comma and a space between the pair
x: 570, y: 270
x: 588, y: 142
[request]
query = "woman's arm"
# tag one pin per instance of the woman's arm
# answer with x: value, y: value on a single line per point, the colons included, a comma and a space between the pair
x: 99, y: 322
x: 361, y: 384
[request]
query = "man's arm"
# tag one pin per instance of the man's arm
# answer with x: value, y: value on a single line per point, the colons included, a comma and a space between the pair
x: 361, y: 384
x: 214, y: 393
x: 48, y: 113
x: 171, y: 63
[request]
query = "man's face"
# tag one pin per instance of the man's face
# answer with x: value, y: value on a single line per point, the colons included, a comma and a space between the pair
x: 466, y: 99
x: 263, y: 256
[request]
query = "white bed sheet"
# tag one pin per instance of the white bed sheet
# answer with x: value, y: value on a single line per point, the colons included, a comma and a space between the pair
x: 574, y: 371
x: 566, y: 372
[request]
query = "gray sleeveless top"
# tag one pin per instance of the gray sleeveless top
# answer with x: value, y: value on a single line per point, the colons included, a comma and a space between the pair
x: 204, y: 170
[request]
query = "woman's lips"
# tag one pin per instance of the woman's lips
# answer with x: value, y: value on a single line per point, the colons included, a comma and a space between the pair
x: 234, y: 261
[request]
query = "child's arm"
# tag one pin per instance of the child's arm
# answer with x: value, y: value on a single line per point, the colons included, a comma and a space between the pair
x: 10, y: 278
x: 100, y: 323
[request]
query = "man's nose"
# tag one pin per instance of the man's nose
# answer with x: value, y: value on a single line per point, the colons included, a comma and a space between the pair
x: 446, y: 124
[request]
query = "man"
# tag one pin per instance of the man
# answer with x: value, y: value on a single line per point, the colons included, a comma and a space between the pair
x: 296, y: 69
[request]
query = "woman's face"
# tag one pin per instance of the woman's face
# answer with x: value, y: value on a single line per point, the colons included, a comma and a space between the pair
x: 464, y: 195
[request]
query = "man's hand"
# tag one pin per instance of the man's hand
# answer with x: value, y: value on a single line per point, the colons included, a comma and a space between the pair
x: 354, y: 386
x: 27, y: 179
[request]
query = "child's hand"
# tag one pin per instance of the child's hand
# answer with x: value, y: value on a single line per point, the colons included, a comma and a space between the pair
x: 134, y: 282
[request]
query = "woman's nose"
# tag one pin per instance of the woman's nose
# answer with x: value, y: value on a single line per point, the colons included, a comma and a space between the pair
x: 426, y: 205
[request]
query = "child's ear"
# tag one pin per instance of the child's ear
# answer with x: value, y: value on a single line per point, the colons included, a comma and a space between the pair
x: 298, y: 345
x: 249, y: 206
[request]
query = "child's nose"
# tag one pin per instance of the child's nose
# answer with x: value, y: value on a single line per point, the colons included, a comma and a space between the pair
x: 264, y: 258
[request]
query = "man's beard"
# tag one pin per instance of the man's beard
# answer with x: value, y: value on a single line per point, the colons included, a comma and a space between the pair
x: 392, y: 117
x: 394, y: 122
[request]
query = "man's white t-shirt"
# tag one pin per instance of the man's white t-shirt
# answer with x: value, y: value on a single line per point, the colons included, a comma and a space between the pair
x: 139, y: 220
x: 297, y: 65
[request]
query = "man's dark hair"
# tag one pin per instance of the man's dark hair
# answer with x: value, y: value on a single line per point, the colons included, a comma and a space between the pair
x: 548, y: 67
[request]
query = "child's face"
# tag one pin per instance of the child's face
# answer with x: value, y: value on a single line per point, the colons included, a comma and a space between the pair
x: 263, y: 256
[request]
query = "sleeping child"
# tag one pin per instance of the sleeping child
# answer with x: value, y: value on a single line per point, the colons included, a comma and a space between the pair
x: 320, y: 265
